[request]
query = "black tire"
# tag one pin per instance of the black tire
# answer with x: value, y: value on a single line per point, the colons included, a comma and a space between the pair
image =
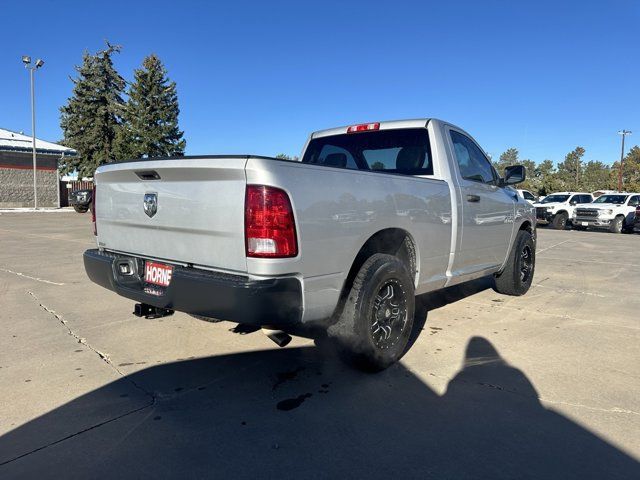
x: 81, y: 208
x: 517, y: 275
x: 375, y: 325
x: 617, y: 224
x: 559, y: 222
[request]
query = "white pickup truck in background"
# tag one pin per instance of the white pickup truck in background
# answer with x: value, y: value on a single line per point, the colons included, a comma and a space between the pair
x: 340, y: 241
x: 613, y: 211
x: 557, y: 209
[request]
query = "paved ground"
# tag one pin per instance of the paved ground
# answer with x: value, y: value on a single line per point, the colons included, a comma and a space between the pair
x: 542, y: 386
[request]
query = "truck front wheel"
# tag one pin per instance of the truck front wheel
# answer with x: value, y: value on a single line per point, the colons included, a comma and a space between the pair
x: 517, y: 275
x: 375, y: 325
x: 559, y: 222
x: 617, y: 224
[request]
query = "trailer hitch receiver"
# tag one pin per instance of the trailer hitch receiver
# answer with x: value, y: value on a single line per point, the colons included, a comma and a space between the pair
x: 149, y: 311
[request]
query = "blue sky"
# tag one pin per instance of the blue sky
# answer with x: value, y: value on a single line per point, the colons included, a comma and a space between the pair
x: 257, y: 77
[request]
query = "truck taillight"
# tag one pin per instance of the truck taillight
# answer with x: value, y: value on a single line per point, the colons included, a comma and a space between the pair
x: 364, y: 127
x: 269, y: 227
x: 93, y: 211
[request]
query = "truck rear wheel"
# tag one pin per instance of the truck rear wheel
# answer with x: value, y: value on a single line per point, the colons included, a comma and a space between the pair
x: 375, y: 325
x: 517, y: 275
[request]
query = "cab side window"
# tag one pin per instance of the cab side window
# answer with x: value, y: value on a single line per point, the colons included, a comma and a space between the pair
x: 634, y: 201
x: 472, y: 163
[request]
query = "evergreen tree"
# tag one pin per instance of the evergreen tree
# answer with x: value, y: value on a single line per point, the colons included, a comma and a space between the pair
x: 570, y: 172
x: 284, y: 156
x: 595, y: 176
x: 630, y: 172
x: 545, y: 172
x: 151, y: 115
x: 92, y: 116
x: 510, y: 157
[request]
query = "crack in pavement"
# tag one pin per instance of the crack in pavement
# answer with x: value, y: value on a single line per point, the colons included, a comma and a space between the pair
x: 155, y: 397
x: 540, y: 398
x: 92, y: 427
x: 538, y: 252
x: 49, y: 237
x: 597, y: 409
x: 37, y: 279
x: 523, y: 310
x: 103, y: 356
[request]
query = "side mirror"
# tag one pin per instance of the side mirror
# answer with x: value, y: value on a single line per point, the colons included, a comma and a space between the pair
x: 513, y: 174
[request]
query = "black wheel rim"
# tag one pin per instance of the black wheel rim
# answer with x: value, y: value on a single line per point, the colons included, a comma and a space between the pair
x: 526, y: 264
x: 389, y: 316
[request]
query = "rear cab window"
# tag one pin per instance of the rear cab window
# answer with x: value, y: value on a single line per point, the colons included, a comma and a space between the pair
x: 403, y: 151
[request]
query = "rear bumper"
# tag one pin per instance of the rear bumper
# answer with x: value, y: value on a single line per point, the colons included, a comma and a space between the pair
x: 273, y: 301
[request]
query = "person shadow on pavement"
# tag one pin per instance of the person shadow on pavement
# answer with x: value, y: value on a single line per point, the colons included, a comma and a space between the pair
x: 294, y: 413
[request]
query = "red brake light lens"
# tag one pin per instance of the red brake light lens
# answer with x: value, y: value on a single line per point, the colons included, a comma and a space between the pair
x: 270, y: 230
x: 93, y: 211
x: 364, y: 127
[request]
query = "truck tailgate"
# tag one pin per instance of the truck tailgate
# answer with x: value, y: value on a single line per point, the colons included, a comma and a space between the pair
x: 200, y: 210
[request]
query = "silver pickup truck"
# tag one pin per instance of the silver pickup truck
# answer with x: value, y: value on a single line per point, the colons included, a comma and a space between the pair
x: 343, y: 239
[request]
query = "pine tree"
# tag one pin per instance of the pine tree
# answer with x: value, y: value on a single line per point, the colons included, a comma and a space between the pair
x: 570, y: 172
x: 549, y: 183
x: 595, y: 176
x: 93, y: 114
x: 630, y: 172
x: 151, y: 114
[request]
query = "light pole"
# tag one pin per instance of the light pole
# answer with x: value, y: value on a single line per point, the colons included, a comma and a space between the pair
x: 32, y: 68
x: 624, y: 133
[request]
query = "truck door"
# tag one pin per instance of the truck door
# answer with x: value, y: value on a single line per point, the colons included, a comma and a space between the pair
x: 486, y: 211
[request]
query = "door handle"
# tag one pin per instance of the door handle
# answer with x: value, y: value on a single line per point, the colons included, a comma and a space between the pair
x: 473, y: 198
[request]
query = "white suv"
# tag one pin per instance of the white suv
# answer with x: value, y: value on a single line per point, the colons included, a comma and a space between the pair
x: 614, y: 211
x: 557, y: 209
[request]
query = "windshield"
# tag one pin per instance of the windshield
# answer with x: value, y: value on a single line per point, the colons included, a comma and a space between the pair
x: 391, y: 151
x: 555, y: 198
x: 611, y: 199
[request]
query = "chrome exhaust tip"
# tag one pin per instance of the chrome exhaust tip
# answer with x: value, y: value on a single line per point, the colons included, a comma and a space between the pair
x: 279, y: 337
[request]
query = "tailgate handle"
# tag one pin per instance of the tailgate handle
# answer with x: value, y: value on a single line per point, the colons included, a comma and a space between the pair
x: 473, y: 198
x: 148, y: 175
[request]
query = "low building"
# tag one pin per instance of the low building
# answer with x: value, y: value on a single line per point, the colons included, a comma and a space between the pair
x: 16, y: 170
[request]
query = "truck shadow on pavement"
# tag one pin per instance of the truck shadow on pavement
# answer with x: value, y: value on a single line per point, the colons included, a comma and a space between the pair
x: 296, y: 413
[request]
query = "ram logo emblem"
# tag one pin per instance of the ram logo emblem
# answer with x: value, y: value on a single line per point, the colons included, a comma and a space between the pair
x: 150, y: 204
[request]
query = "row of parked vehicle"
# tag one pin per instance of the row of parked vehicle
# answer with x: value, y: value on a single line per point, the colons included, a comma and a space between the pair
x: 615, y: 211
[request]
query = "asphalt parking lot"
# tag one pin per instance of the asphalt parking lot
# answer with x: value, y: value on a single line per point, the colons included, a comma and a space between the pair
x: 541, y: 386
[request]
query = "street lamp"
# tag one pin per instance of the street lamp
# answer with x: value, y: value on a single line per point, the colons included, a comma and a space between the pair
x: 32, y: 68
x: 624, y: 133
